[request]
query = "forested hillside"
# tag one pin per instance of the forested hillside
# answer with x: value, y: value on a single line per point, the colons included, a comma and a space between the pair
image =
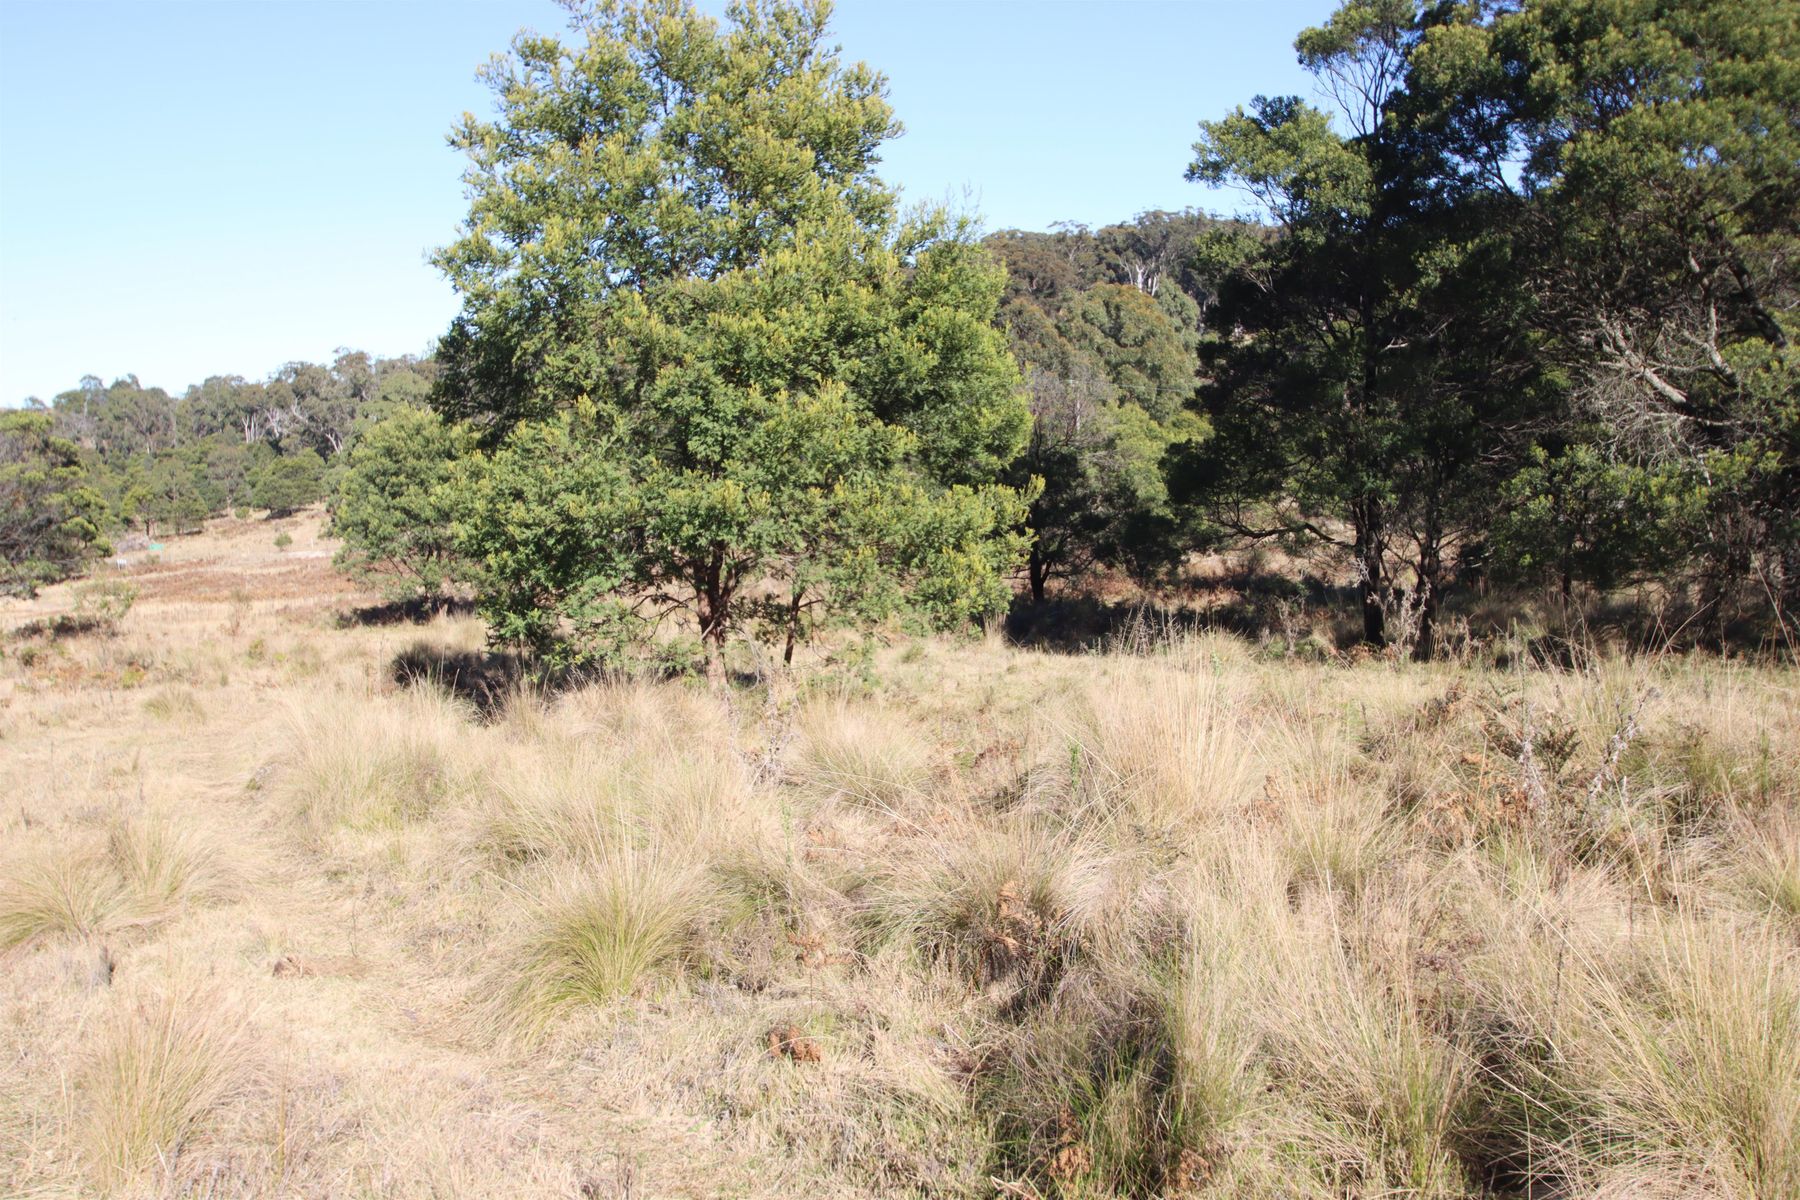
x: 133, y: 458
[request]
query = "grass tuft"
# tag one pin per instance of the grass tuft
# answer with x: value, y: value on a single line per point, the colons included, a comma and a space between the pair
x: 861, y: 752
x: 603, y: 929
x: 52, y: 892
x: 161, y: 1066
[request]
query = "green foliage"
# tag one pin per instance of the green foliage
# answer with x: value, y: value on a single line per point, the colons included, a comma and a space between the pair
x: 394, y: 506
x: 1657, y: 148
x: 755, y: 375
x: 173, y: 495
x: 289, y: 482
x: 1579, y: 516
x: 1378, y: 370
x: 1106, y: 325
x: 169, y: 462
x: 50, y: 515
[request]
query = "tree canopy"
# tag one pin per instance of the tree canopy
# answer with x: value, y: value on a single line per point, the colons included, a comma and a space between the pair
x: 696, y: 323
x: 50, y: 517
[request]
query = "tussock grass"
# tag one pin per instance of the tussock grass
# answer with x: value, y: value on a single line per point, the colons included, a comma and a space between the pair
x: 1382, y: 1090
x: 1190, y: 918
x: 997, y: 904
x: 150, y: 867
x: 1769, y: 854
x: 1678, y: 1058
x: 861, y: 752
x: 373, y: 764
x: 556, y: 798
x: 51, y: 891
x: 600, y: 930
x: 159, y: 1068
x: 1164, y: 752
x: 166, y: 864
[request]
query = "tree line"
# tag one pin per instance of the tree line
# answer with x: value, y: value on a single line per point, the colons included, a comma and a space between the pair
x: 1513, y: 305
x: 103, y: 458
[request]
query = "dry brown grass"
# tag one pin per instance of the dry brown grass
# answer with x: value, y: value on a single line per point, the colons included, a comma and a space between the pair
x: 160, y: 1067
x: 1184, y: 921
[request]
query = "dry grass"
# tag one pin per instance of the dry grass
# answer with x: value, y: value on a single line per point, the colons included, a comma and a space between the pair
x: 55, y: 892
x: 1162, y: 751
x: 373, y: 765
x: 1187, y: 918
x: 861, y: 752
x: 599, y: 930
x: 160, y: 1067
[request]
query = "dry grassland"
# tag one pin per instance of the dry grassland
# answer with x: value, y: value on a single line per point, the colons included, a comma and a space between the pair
x: 977, y: 921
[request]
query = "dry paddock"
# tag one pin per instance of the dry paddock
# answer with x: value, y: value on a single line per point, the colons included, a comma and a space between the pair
x: 967, y: 921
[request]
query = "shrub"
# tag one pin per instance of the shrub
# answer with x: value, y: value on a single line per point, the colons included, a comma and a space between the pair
x: 395, y: 505
x: 50, y: 514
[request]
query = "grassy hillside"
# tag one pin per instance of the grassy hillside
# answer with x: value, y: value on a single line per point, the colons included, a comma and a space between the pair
x: 958, y: 920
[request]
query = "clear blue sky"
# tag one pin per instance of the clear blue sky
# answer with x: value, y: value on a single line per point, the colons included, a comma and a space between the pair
x: 193, y: 188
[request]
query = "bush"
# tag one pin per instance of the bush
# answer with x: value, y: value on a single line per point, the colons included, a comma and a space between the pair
x: 395, y: 504
x: 100, y: 606
x: 289, y: 482
x: 50, y: 515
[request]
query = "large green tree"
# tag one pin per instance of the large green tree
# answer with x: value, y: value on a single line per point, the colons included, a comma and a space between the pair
x: 1372, y: 373
x: 50, y: 516
x: 1655, y: 148
x: 723, y: 375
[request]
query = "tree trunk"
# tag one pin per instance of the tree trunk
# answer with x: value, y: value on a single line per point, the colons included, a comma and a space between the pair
x: 1038, y: 570
x: 1426, y: 598
x: 1430, y: 569
x: 712, y: 604
x: 793, y: 629
x: 1365, y: 520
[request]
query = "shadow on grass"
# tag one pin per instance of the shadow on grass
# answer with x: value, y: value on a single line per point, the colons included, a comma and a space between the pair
x: 482, y: 678
x: 1501, y: 626
x: 1250, y: 606
x: 66, y: 625
x: 419, y: 610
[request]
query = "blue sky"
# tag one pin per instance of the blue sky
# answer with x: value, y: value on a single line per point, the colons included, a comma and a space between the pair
x: 219, y: 187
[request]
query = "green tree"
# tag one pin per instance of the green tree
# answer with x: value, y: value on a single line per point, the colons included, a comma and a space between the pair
x: 173, y: 495
x: 1657, y: 146
x: 718, y: 346
x: 288, y: 482
x: 50, y: 516
x: 395, y: 506
x: 1580, y: 517
x: 1372, y: 370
